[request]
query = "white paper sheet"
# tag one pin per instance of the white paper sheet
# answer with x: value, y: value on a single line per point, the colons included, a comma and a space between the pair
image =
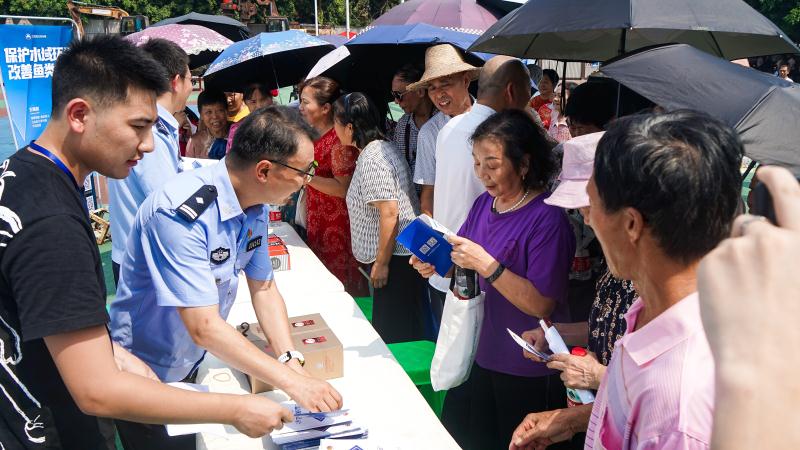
x: 527, y: 346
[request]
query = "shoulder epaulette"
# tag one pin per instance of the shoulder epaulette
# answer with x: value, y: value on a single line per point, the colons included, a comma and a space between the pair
x: 197, y: 203
x: 161, y: 127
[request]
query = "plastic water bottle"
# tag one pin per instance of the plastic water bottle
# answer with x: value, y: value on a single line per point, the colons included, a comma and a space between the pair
x: 581, y: 266
x: 465, y: 283
x: 274, y: 215
x: 557, y: 345
x: 574, y: 397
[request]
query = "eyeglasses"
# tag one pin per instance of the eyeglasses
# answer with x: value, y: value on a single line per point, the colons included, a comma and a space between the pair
x: 309, y: 172
x: 398, y: 96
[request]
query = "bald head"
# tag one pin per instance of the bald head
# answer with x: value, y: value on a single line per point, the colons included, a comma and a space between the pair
x: 504, y: 83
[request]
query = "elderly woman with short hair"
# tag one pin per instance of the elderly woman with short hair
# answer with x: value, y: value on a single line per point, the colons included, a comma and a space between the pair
x: 522, y: 249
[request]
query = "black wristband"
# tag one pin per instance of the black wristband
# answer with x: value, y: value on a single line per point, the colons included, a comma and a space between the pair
x: 496, y: 274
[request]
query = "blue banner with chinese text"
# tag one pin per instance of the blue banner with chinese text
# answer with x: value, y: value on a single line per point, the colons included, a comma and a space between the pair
x: 26, y: 68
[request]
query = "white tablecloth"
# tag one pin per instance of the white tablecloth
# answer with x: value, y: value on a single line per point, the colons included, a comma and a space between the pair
x: 374, y: 387
x: 308, y: 275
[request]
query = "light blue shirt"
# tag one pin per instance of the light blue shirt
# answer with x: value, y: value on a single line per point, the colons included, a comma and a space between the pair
x: 152, y: 171
x: 172, y: 262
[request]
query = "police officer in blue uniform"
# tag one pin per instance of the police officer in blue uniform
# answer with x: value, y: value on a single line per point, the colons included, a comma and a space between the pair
x: 160, y: 166
x: 189, y: 242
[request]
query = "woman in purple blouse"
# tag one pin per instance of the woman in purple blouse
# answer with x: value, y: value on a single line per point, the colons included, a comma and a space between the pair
x: 522, y: 249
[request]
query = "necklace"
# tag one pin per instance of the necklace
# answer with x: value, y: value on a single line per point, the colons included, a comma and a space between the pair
x: 516, y: 205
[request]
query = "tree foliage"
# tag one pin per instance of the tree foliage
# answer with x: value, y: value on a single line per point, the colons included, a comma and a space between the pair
x: 784, y: 13
x: 331, y: 12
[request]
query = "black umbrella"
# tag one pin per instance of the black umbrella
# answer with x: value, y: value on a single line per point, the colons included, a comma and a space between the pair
x: 371, y: 59
x: 226, y: 26
x: 593, y: 30
x: 763, y: 108
x: 503, y: 6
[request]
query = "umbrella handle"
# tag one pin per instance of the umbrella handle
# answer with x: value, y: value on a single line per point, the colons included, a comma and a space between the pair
x: 274, y: 73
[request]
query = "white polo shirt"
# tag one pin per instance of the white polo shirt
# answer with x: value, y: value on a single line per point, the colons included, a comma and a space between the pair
x: 457, y: 186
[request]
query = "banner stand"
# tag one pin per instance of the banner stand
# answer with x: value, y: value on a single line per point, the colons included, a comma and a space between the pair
x: 76, y: 31
x: 30, y: 53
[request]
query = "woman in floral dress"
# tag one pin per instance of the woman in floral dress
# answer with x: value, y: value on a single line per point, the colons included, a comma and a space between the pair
x: 327, y: 222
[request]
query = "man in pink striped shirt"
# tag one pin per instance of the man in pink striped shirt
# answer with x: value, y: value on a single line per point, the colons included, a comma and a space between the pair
x: 664, y: 192
x: 658, y: 391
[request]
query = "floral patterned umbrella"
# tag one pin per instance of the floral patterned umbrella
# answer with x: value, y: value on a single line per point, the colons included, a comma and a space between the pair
x: 466, y: 16
x: 277, y: 59
x: 200, y: 43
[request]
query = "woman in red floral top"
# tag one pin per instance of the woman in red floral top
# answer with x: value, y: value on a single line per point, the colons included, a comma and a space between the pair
x: 541, y: 103
x: 327, y: 222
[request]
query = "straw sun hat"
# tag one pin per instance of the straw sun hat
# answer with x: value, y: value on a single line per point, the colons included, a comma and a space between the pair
x: 441, y: 61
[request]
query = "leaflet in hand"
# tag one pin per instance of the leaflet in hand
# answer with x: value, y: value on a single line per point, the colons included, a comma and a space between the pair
x: 425, y: 238
x: 554, y: 339
x: 304, y: 419
x: 527, y: 346
x: 557, y: 345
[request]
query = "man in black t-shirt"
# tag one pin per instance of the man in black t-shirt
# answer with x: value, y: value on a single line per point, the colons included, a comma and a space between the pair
x: 59, y: 367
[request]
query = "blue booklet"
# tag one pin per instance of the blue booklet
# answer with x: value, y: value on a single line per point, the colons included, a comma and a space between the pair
x: 424, y: 237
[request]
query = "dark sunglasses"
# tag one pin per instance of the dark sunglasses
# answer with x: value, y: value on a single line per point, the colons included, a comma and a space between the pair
x: 398, y: 96
x: 309, y: 172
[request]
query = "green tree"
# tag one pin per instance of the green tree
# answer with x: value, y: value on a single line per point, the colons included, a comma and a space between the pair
x: 784, y: 13
x: 360, y: 13
x: 46, y: 8
x: 331, y: 12
x: 154, y: 9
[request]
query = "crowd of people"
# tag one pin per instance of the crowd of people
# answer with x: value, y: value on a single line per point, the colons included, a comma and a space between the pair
x: 615, y: 221
x: 783, y: 66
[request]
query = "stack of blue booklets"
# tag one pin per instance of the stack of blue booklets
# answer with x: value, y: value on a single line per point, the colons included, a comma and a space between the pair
x: 309, y: 428
x: 425, y: 238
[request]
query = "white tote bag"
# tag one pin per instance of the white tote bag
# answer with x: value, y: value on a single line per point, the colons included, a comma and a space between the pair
x: 457, y: 341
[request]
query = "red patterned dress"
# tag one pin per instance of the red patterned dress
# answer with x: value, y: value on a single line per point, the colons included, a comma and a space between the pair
x: 328, y: 224
x: 542, y: 106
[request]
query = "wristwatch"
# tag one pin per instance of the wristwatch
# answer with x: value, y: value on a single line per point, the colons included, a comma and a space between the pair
x: 496, y: 274
x: 292, y: 354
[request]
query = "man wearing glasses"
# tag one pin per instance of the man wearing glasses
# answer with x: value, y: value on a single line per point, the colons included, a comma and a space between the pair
x: 179, y: 276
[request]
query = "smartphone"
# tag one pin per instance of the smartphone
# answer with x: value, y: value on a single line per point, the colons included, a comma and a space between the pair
x: 762, y: 203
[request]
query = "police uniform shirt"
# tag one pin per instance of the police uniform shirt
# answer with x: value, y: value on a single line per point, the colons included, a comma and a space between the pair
x: 189, y: 241
x: 150, y: 173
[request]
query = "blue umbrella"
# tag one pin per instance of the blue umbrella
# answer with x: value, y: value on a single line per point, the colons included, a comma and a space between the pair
x: 277, y: 59
x: 376, y: 54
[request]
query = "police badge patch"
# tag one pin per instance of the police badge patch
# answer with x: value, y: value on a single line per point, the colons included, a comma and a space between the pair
x: 220, y: 255
x: 254, y: 243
